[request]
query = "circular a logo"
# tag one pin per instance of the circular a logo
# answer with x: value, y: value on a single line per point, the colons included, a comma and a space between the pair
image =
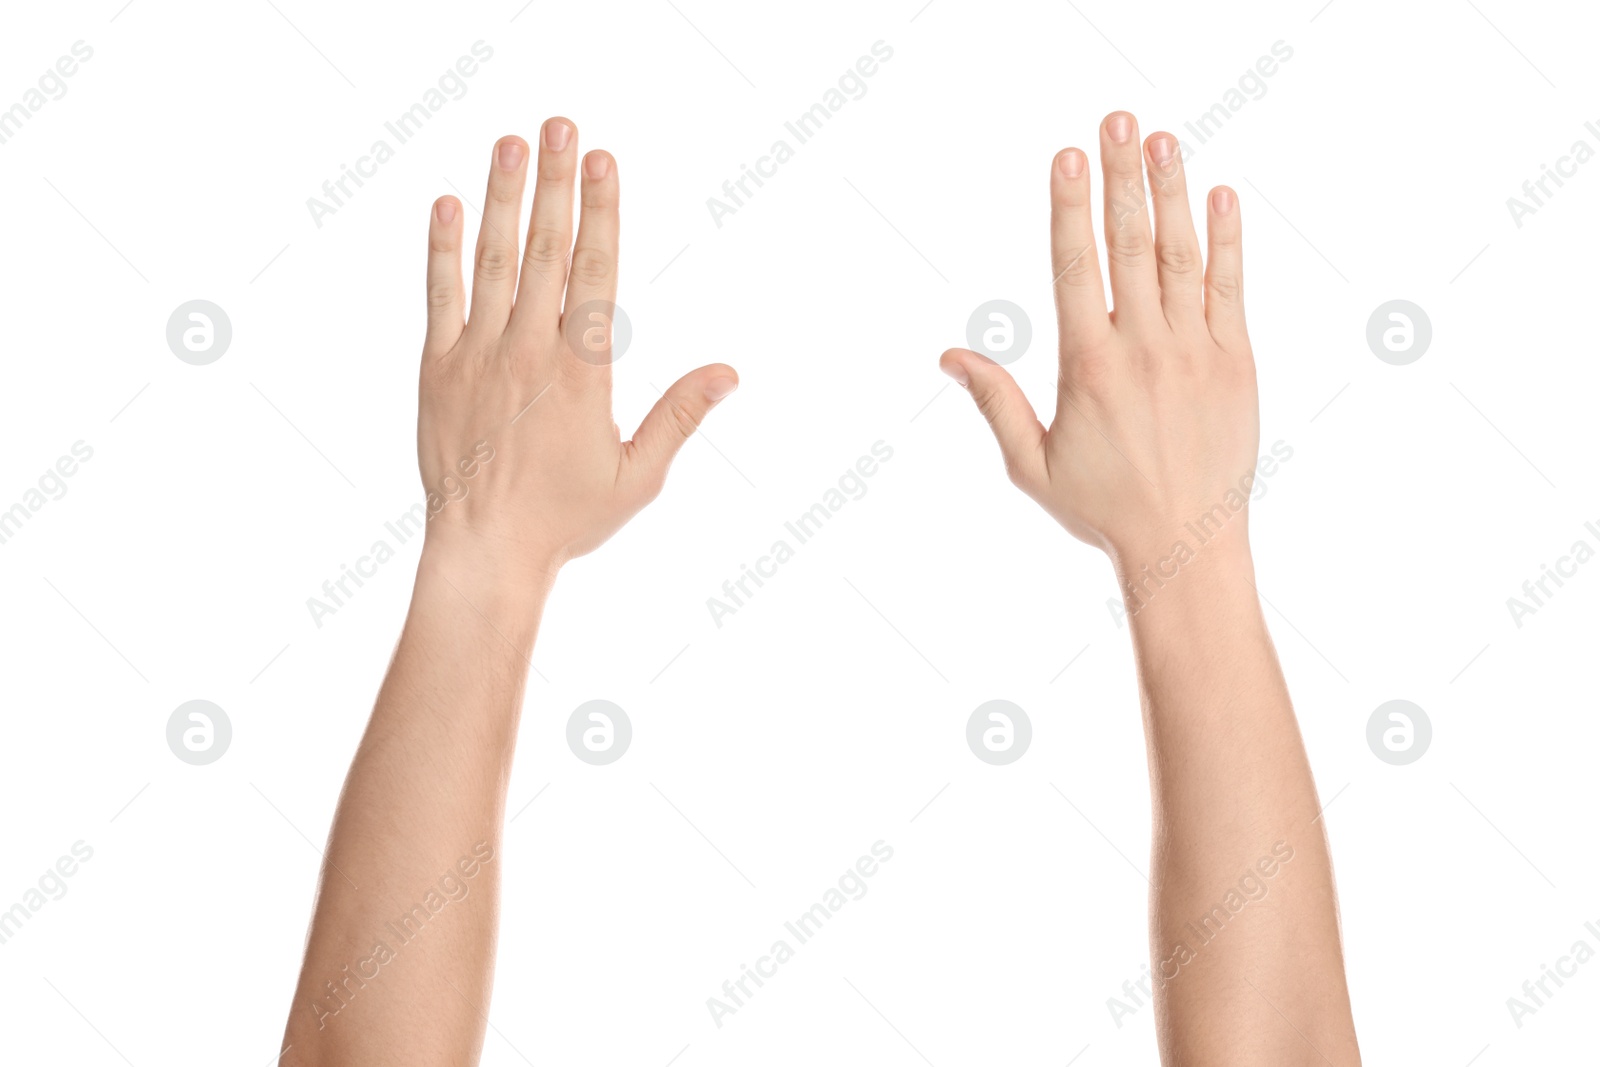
x: 198, y: 732
x: 199, y: 332
x: 1000, y: 330
x: 999, y: 732
x: 598, y: 332
x: 1399, y: 332
x: 599, y: 732
x: 1399, y: 732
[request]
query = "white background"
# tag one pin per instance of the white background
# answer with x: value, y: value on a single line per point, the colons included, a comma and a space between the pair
x: 826, y: 714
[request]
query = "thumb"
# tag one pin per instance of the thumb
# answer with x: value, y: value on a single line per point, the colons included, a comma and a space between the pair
x: 1011, y: 417
x: 673, y: 420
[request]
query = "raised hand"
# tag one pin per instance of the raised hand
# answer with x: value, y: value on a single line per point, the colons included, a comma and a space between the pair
x: 525, y: 375
x: 1155, y: 418
x: 1151, y: 456
x: 524, y: 470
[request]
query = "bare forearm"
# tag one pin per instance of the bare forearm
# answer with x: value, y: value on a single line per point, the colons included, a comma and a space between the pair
x: 525, y: 470
x: 1244, y: 925
x: 401, y: 951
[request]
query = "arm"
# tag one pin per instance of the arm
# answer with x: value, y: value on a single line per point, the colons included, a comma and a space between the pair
x: 1151, y: 457
x: 524, y: 470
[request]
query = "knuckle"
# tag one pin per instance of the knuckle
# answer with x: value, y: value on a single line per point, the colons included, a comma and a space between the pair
x: 1127, y: 237
x: 1127, y: 251
x: 988, y: 401
x: 683, y: 419
x: 547, y: 248
x: 505, y: 191
x: 1224, y: 239
x: 592, y: 267
x: 1075, y: 197
x: 1082, y: 269
x: 1155, y: 363
x: 1188, y: 362
x: 1087, y: 372
x: 441, y: 295
x: 1224, y: 286
x: 493, y: 262
x: 1178, y: 257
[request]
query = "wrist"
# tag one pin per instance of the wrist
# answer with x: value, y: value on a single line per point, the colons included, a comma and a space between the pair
x: 1184, y: 564
x: 506, y: 584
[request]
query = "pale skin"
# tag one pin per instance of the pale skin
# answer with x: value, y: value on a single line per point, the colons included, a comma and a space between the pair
x: 522, y: 376
x: 1156, y: 425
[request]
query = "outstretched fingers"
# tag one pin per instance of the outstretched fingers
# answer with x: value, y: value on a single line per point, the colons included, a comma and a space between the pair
x: 1177, y: 249
x: 1080, y: 295
x: 544, y: 262
x: 590, y: 309
x: 1225, y: 270
x: 494, y: 274
x: 1130, y: 259
x: 447, y: 296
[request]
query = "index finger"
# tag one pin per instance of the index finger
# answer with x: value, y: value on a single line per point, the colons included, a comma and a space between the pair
x: 1080, y: 294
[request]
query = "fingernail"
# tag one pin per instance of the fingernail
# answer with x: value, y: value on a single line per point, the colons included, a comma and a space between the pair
x: 1071, y: 163
x: 717, y: 388
x: 446, y: 210
x: 556, y: 135
x: 1119, y: 127
x: 1161, y: 150
x: 1222, y: 201
x: 956, y: 371
x: 510, y: 155
x: 596, y: 165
